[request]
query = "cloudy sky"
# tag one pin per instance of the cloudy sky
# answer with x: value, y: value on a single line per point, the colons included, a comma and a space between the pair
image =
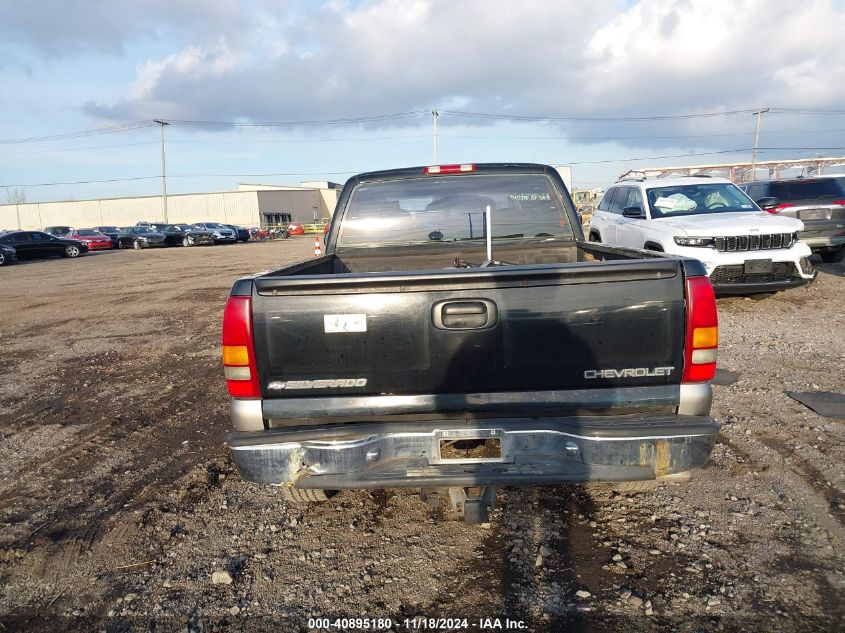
x: 349, y: 86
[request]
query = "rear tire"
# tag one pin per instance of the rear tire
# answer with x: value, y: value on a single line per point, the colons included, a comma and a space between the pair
x: 2, y: 258
x: 646, y: 485
x: 72, y: 251
x: 761, y: 296
x: 634, y: 487
x: 832, y: 257
x: 306, y: 495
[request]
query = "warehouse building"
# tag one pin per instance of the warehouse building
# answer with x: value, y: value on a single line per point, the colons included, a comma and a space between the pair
x: 251, y: 205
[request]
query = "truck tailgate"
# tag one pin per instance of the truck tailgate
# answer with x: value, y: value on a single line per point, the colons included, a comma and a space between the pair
x: 459, y: 331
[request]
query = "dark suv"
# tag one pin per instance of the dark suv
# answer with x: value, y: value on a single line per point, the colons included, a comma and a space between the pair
x: 819, y: 202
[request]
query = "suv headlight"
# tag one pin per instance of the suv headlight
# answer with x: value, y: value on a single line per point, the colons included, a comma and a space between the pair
x: 694, y: 241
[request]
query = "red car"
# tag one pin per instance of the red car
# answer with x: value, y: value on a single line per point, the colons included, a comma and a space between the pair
x: 95, y: 240
x: 295, y: 228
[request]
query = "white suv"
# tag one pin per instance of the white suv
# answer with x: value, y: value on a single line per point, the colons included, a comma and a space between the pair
x: 744, y: 249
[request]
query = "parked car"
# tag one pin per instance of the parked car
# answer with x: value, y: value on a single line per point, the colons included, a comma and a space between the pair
x: 295, y: 228
x: 110, y: 231
x: 173, y: 235
x: 744, y: 249
x: 139, y: 237
x: 37, y: 244
x: 193, y: 235
x: 58, y: 231
x: 222, y: 233
x: 7, y: 254
x: 241, y: 234
x: 95, y: 240
x: 444, y: 355
x: 819, y: 202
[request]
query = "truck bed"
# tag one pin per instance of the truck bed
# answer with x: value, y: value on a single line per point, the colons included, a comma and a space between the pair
x: 444, y: 256
x: 552, y: 326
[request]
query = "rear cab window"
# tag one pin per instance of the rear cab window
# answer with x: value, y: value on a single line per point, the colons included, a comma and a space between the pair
x: 809, y: 189
x: 453, y: 209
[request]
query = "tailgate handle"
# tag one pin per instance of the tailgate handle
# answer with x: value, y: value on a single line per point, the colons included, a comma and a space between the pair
x: 474, y: 314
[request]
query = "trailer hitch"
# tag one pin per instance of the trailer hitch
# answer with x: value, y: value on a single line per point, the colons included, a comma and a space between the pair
x: 474, y: 504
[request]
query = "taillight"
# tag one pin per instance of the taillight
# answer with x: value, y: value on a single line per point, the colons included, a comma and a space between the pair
x: 779, y: 207
x: 702, y: 339
x: 238, y: 349
x: 434, y: 170
x: 841, y: 203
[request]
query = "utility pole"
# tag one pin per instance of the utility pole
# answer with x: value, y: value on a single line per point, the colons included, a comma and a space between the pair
x: 163, y: 170
x: 434, y: 115
x: 757, y: 114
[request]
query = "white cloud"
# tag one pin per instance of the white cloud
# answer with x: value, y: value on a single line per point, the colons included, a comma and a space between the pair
x: 601, y: 58
x: 194, y: 62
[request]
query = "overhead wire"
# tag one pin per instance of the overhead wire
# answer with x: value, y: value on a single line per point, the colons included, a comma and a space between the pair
x: 667, y: 117
x: 354, y: 171
x: 123, y: 127
x: 306, y: 123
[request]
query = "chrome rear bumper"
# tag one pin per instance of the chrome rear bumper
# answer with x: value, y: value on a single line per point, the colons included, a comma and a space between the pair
x: 532, y: 451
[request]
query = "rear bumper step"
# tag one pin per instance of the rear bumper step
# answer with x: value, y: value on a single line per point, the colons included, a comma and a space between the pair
x: 530, y: 451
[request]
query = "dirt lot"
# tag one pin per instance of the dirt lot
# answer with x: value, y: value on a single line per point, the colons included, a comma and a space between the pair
x: 118, y: 501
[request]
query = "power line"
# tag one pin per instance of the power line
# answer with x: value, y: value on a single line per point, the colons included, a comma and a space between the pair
x: 344, y: 121
x: 804, y: 111
x: 667, y: 117
x: 416, y: 137
x: 137, y: 125
x: 88, y: 182
x: 80, y: 182
x: 355, y: 171
x: 726, y: 151
x: 626, y: 160
x: 305, y: 173
x: 78, y: 149
x: 123, y: 127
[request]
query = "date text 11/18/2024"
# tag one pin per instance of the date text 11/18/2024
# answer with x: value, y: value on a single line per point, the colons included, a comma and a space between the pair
x: 418, y: 624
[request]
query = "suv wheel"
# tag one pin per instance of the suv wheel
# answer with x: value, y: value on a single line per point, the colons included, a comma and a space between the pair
x: 831, y: 257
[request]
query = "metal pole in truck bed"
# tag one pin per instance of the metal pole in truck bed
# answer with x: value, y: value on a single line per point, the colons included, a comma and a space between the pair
x: 489, y: 235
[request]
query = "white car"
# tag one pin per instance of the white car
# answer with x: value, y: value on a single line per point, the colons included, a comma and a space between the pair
x: 744, y: 249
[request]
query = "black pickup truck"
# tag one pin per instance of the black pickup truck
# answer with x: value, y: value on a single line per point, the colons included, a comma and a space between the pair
x: 459, y: 333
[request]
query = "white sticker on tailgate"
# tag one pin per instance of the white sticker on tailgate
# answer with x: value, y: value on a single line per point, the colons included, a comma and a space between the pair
x: 345, y: 323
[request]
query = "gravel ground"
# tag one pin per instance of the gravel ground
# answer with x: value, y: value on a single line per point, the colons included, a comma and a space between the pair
x: 119, y: 509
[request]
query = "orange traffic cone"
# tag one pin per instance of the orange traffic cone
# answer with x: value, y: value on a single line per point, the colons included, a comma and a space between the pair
x: 318, y: 250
